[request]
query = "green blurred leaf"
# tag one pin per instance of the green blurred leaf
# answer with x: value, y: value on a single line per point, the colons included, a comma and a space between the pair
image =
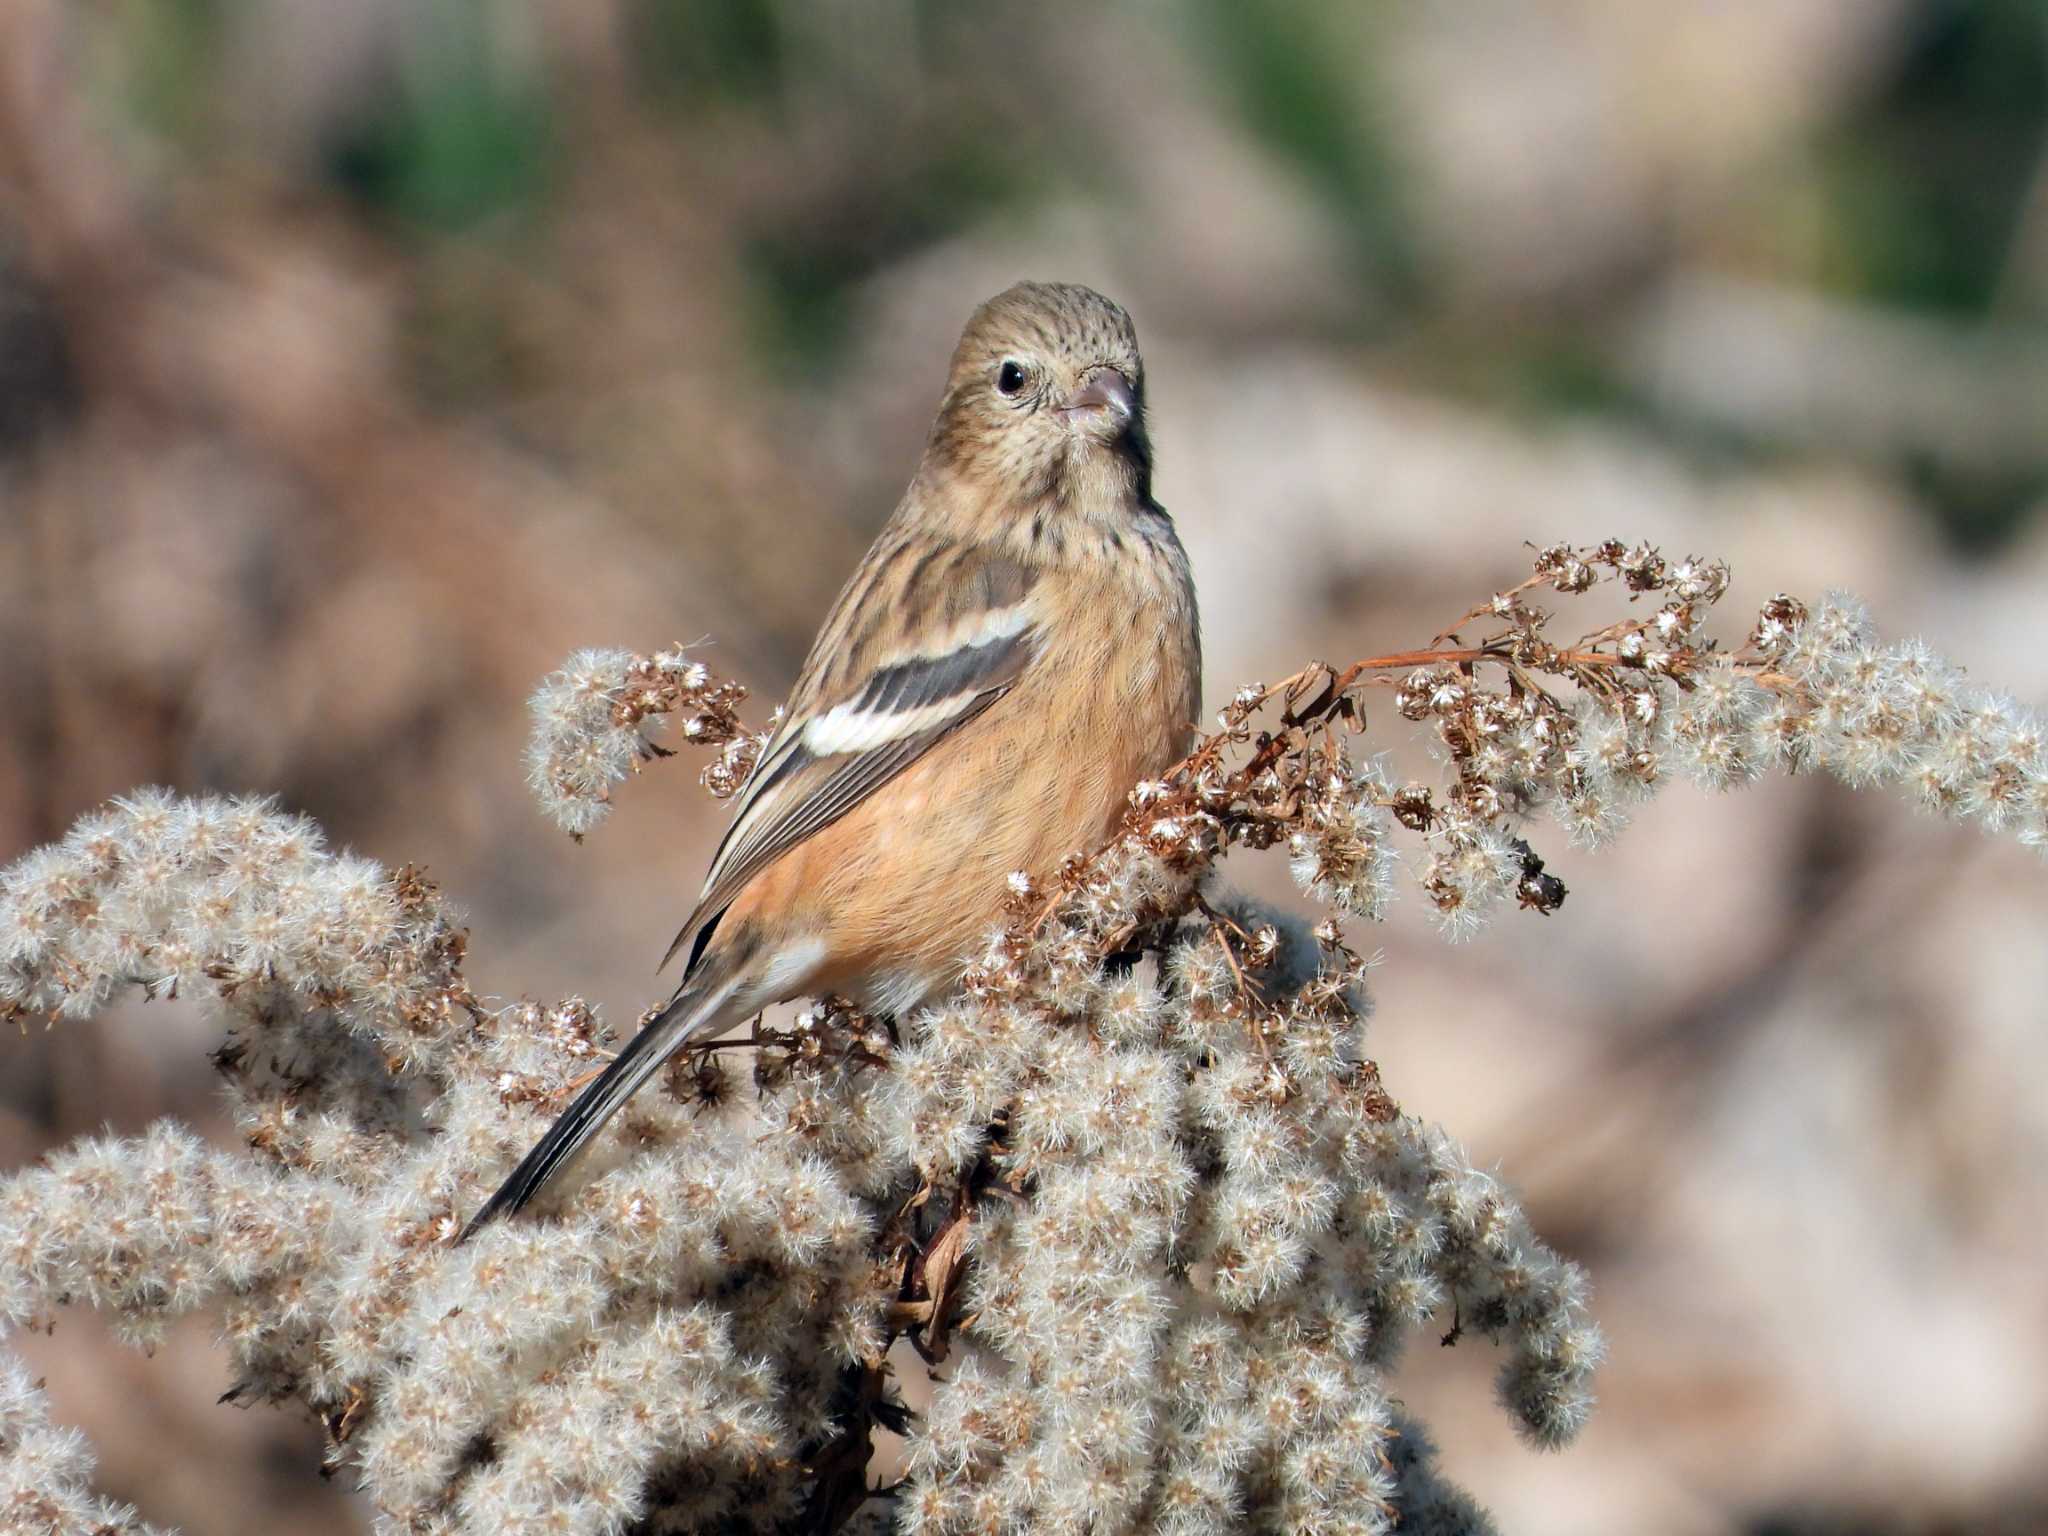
x: 1923, y: 188
x: 803, y: 275
x: 463, y: 140
x: 170, y: 51
x: 690, y: 50
x: 1306, y: 87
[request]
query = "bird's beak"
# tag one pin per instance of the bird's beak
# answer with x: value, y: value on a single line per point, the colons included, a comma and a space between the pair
x: 1105, y: 405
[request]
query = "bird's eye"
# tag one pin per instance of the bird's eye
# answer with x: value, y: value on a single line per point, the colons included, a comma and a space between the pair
x: 1010, y: 377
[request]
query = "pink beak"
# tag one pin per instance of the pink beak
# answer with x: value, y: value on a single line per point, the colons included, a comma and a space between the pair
x: 1105, y: 389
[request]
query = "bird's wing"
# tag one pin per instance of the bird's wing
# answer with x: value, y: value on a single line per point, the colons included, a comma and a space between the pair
x: 898, y: 665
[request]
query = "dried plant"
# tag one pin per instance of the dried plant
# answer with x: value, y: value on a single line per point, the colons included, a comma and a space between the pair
x: 1135, y: 1194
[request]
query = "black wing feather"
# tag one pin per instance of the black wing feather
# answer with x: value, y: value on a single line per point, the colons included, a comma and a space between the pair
x: 768, y: 824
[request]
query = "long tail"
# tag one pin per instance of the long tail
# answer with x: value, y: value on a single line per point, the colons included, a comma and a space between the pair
x: 697, y: 1008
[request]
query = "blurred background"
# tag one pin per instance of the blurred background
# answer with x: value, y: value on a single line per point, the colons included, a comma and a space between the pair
x: 358, y: 361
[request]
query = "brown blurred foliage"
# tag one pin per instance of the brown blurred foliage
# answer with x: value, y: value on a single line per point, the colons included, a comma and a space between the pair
x: 357, y: 362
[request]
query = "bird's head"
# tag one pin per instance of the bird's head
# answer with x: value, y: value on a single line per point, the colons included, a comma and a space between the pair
x: 1045, y: 406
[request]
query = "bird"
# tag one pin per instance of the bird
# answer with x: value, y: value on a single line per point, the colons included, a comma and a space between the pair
x: 1018, y: 649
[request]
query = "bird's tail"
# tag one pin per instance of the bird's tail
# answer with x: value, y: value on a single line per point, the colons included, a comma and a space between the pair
x: 697, y: 1008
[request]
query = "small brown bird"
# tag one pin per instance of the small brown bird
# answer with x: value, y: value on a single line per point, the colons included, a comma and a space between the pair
x: 1018, y: 649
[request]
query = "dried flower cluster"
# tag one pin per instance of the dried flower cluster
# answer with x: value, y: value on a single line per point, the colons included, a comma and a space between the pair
x: 45, y: 1471
x: 596, y: 720
x: 1218, y: 1234
x: 658, y: 1333
x: 1585, y: 730
x: 1135, y: 1193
